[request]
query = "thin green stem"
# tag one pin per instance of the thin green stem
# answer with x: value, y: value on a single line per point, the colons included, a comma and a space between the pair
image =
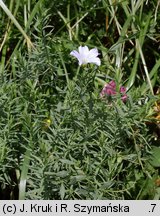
x: 77, y: 73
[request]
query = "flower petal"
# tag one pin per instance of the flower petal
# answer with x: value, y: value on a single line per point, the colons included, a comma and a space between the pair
x: 83, y: 50
x: 124, y: 97
x: 93, y: 53
x: 112, y: 84
x: 75, y: 54
x: 78, y: 56
x: 94, y: 60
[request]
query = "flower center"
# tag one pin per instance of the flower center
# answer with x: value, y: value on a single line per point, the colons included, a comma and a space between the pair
x: 85, y: 61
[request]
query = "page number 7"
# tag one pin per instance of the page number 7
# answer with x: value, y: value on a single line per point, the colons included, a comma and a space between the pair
x: 153, y: 207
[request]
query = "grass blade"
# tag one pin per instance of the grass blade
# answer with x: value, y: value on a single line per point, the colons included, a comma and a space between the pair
x: 10, y: 15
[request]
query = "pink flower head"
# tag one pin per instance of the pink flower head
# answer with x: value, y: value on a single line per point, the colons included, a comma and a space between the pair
x: 123, y: 92
x: 110, y: 90
x: 124, y: 97
x: 122, y: 89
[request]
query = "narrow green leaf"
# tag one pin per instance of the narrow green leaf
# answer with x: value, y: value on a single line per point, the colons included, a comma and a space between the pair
x: 62, y: 191
x: 155, y: 157
x: 24, y: 173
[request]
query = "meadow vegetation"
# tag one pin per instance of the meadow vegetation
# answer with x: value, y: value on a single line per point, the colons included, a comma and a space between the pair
x: 60, y: 136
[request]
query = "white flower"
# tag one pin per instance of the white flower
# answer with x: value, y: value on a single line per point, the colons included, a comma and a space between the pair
x: 85, y: 55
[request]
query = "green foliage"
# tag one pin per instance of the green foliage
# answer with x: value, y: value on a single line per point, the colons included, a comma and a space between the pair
x: 59, y: 139
x: 155, y: 158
